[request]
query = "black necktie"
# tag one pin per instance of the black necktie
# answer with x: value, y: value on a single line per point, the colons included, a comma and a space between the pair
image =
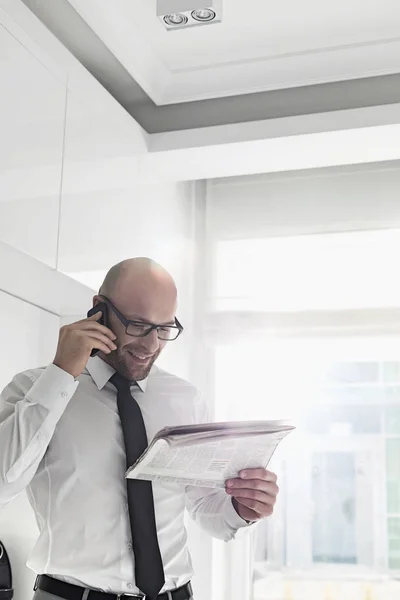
x: 149, y: 572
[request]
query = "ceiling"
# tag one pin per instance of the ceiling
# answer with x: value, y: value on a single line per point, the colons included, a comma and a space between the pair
x: 259, y: 46
x: 265, y: 60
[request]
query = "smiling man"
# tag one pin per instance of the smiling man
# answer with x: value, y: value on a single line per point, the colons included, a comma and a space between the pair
x: 69, y: 431
x: 147, y: 294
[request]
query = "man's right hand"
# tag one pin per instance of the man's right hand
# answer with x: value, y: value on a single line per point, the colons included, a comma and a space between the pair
x: 76, y: 342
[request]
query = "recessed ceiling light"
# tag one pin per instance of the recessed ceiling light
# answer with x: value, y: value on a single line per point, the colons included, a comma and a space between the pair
x: 203, y: 14
x: 175, y: 20
x: 176, y: 15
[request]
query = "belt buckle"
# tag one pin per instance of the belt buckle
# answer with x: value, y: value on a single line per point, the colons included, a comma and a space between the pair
x: 123, y: 595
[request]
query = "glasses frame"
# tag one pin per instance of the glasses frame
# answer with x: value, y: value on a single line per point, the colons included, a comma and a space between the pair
x: 151, y: 327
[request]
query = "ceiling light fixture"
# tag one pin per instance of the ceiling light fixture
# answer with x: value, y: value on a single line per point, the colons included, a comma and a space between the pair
x: 175, y: 20
x: 203, y: 15
x: 183, y: 14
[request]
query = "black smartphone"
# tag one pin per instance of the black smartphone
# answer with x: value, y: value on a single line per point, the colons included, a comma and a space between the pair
x: 102, y: 306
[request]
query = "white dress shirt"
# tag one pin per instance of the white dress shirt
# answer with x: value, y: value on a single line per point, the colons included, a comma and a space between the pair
x: 62, y: 440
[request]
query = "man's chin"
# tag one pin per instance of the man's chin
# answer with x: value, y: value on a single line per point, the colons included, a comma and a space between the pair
x: 138, y: 370
x: 139, y: 375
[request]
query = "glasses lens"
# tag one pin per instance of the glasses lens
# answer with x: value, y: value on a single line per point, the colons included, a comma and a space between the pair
x: 168, y: 333
x: 138, y: 329
x: 141, y: 330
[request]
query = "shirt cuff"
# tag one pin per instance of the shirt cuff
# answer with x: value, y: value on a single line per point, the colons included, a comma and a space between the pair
x: 54, y: 387
x: 232, y: 518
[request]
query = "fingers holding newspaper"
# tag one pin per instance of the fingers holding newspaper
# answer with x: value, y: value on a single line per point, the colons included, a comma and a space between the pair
x: 253, y: 493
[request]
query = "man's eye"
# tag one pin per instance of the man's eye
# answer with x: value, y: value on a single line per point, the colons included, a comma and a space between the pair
x: 137, y: 328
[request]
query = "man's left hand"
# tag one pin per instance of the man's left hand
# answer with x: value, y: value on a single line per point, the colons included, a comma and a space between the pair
x: 253, y: 493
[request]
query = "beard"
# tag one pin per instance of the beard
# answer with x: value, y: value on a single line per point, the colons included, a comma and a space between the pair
x: 130, y: 367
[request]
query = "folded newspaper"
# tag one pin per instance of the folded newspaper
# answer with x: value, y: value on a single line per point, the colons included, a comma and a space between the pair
x: 208, y: 454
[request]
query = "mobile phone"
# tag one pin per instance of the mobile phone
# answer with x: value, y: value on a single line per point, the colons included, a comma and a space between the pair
x: 102, y: 306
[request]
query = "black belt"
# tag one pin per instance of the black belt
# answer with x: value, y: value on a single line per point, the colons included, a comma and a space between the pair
x: 69, y: 591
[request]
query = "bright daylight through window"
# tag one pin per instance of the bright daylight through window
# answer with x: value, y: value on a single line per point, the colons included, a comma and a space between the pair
x: 336, y: 531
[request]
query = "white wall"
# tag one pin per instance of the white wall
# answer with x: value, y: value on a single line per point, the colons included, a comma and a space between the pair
x: 32, y: 296
x: 28, y: 339
x: 71, y: 195
x: 71, y: 187
x: 32, y: 125
x: 54, y: 117
x: 148, y: 220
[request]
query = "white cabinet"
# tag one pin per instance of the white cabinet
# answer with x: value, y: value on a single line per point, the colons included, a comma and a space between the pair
x: 32, y: 107
x: 29, y: 337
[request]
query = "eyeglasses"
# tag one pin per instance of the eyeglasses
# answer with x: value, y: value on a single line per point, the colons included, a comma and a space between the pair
x: 167, y: 333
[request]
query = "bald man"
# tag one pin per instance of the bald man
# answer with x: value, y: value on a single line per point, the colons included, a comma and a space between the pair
x: 68, y: 431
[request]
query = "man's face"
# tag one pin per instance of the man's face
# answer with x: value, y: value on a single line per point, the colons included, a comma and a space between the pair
x: 135, y: 356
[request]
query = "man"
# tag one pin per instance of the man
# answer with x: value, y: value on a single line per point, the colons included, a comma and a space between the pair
x: 67, y: 435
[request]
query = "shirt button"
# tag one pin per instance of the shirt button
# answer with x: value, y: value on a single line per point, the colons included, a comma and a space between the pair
x: 39, y: 437
x: 129, y: 586
x: 130, y: 546
x: 64, y: 394
x: 126, y: 506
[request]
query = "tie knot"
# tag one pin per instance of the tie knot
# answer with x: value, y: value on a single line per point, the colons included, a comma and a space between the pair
x: 120, y: 382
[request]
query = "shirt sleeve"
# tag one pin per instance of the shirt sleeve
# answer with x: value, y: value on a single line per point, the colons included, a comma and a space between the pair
x: 30, y: 408
x: 213, y: 511
x: 210, y: 508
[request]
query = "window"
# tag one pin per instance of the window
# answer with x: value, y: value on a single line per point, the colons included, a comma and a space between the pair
x: 286, y: 329
x: 312, y: 272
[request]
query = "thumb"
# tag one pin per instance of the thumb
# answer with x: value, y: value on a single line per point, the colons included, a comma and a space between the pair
x: 96, y: 316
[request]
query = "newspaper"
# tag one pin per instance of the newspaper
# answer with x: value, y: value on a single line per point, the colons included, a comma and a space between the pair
x: 208, y: 454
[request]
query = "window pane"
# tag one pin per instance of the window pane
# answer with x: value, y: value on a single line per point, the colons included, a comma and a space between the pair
x: 353, y: 395
x: 353, y: 372
x: 392, y: 419
x: 319, y: 419
x: 335, y: 524
x: 391, y: 371
x: 394, y: 542
x: 308, y: 272
x: 393, y: 475
x: 391, y: 394
x: 334, y: 497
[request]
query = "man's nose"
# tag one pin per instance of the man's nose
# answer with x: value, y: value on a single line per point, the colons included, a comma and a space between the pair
x: 151, y: 341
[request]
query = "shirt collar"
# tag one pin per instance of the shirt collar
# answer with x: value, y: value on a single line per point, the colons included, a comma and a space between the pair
x: 101, y: 372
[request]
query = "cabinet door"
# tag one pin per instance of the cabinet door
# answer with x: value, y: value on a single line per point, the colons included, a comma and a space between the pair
x: 32, y: 110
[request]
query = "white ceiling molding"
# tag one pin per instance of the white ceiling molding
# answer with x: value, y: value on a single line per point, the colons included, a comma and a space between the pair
x: 369, y: 135
x: 277, y: 154
x: 322, y: 65
x: 80, y: 39
x: 128, y: 44
x: 205, y: 63
x: 321, y: 122
x: 199, y: 153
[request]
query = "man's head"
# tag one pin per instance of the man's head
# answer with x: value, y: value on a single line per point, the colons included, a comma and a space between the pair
x: 143, y: 291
